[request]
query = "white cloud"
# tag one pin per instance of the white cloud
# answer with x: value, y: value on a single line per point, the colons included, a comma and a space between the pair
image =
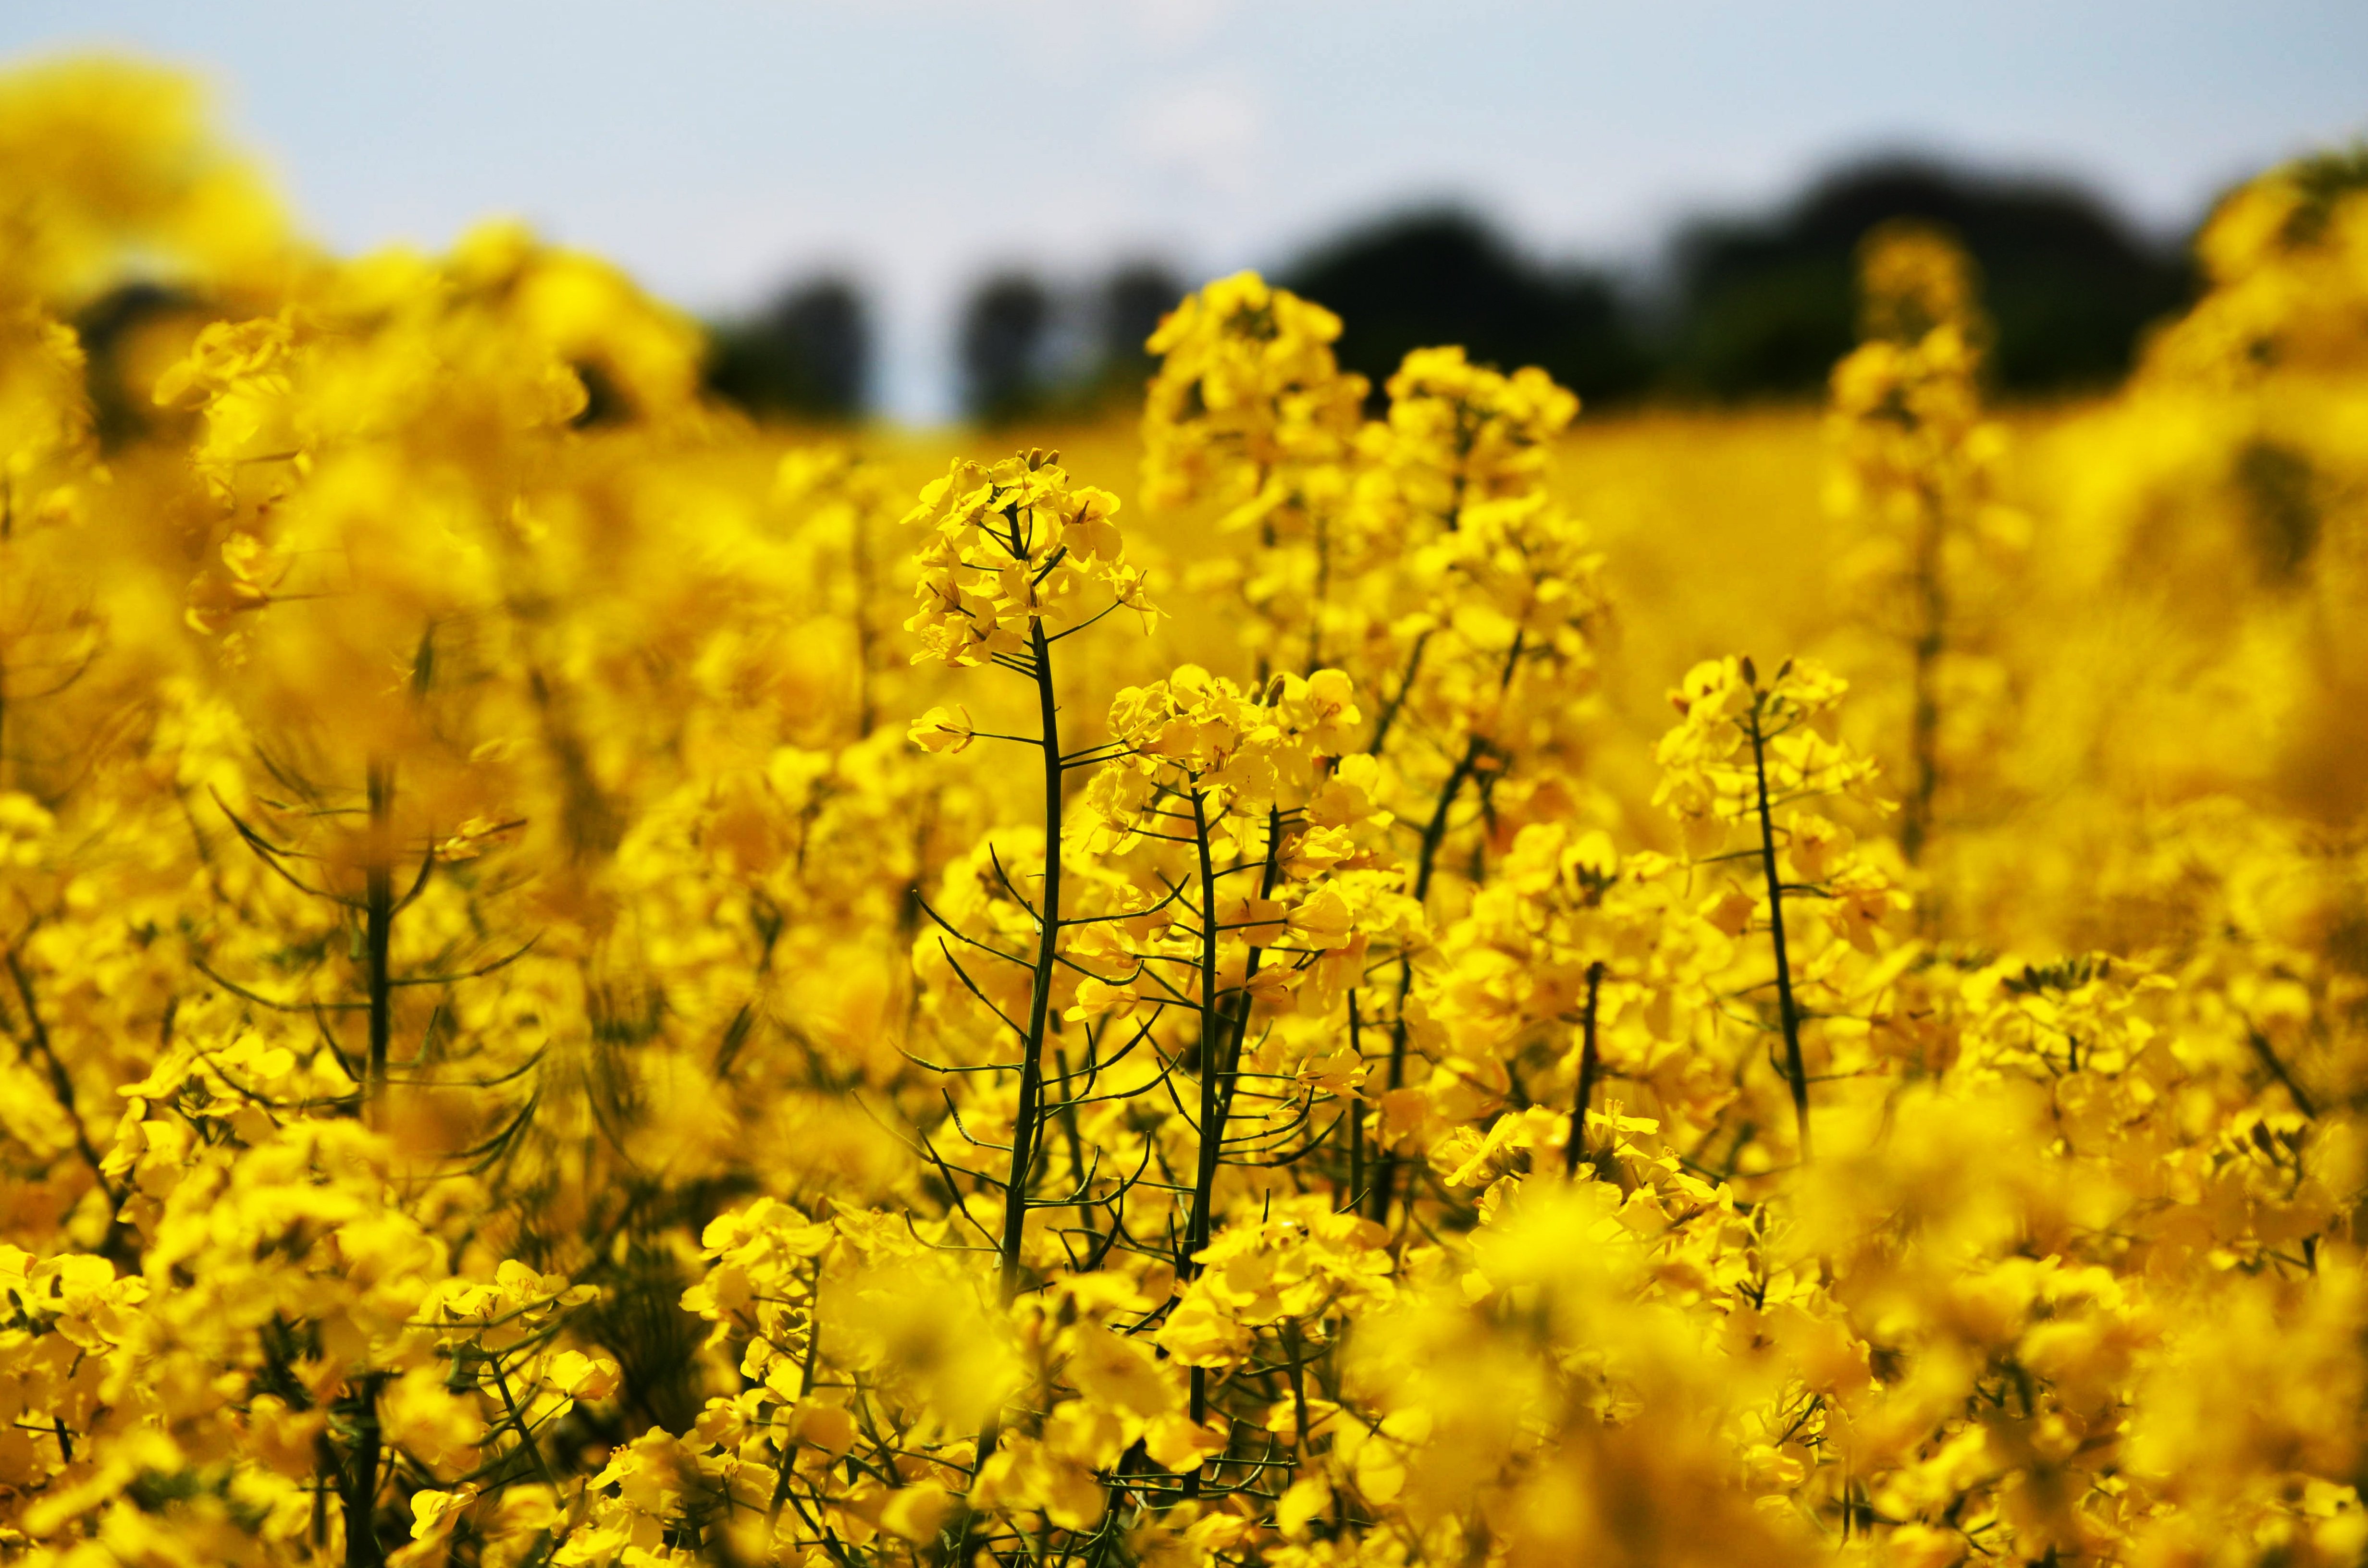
x: 1178, y: 24
x: 1209, y: 131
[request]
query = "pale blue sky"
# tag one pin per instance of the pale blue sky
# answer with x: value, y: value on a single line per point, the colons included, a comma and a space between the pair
x: 717, y: 146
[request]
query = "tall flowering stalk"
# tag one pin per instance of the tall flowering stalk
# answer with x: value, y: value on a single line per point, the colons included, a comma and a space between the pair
x: 1237, y: 779
x: 1918, y: 470
x: 1747, y: 755
x: 1013, y: 549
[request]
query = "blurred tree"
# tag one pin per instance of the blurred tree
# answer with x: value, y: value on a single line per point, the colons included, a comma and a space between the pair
x: 1443, y: 276
x: 1764, y: 306
x: 1133, y: 299
x: 809, y: 354
x: 1005, y: 342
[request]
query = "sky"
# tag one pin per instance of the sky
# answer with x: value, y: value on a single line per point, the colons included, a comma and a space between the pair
x: 720, y: 148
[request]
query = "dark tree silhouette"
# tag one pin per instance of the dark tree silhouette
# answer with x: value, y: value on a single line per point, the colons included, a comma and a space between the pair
x: 1765, y: 306
x: 809, y: 354
x: 1133, y: 299
x: 1443, y: 276
x: 1005, y: 338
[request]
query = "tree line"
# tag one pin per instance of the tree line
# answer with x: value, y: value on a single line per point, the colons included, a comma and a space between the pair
x: 1743, y: 306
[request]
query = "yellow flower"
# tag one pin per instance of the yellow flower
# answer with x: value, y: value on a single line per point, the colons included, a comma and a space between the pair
x: 941, y: 730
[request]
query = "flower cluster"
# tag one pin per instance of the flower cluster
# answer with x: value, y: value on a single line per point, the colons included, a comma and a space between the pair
x: 1248, y: 402
x: 1012, y: 548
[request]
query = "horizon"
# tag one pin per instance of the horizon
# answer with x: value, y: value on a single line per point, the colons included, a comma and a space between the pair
x: 750, y: 145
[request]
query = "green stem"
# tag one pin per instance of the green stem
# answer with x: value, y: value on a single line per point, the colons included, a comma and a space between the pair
x: 378, y: 934
x: 1268, y: 876
x: 1025, y: 1123
x: 1389, y: 714
x: 1198, y: 1229
x: 1078, y: 1163
x: 1024, y: 1128
x: 1575, y: 1144
x: 358, y: 1485
x: 1796, y: 1072
x: 61, y: 1087
x: 1220, y: 1057
x: 517, y: 1422
x: 1356, y: 1110
x: 1916, y: 820
x: 1213, y: 1053
x: 1434, y: 832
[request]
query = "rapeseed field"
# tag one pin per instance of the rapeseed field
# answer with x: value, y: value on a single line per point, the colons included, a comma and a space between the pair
x: 1303, y: 975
